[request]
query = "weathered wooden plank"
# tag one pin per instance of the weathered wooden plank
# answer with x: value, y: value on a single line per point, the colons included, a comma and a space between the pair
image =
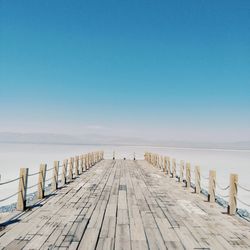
x: 125, y: 205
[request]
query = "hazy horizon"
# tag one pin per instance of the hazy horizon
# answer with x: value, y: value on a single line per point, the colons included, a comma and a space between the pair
x: 99, y: 139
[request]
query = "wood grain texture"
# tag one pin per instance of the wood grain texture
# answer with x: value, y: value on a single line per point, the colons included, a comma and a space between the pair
x: 123, y: 204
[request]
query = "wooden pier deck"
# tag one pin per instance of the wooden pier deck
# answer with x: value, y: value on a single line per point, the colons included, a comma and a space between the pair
x: 125, y: 204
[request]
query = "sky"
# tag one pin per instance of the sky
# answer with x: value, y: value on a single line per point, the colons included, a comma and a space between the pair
x: 178, y: 70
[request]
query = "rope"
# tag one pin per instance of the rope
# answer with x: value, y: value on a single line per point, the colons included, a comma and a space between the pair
x: 204, y: 186
x: 32, y: 186
x: 222, y: 188
x: 206, y: 178
x: 49, y: 179
x: 222, y: 196
x: 7, y: 182
x: 244, y: 203
x: 49, y: 169
x: 246, y: 189
x: 9, y: 197
x: 34, y: 174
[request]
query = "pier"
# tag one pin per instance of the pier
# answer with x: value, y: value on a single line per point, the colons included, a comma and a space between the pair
x: 123, y: 204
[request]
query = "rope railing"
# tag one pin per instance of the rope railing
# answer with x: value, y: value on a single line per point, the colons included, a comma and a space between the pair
x: 244, y: 203
x: 221, y: 195
x: 35, y: 185
x: 8, y: 197
x: 71, y: 168
x: 49, y: 179
x: 49, y: 169
x: 244, y: 188
x: 204, y: 177
x: 222, y: 188
x: 10, y: 181
x: 202, y: 184
x: 34, y: 174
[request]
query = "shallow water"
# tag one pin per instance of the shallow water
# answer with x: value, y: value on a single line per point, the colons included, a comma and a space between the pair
x: 14, y: 156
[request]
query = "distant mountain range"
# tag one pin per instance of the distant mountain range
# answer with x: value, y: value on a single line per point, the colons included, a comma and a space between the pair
x: 47, y: 138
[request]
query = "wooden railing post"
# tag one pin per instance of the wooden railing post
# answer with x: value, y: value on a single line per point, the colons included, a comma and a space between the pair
x: 71, y: 165
x: 22, y: 189
x: 86, y: 162
x: 197, y: 180
x: 212, y: 186
x: 55, y: 176
x: 165, y: 165
x: 233, y: 191
x: 173, y: 168
x: 188, y: 175
x: 41, y: 181
x: 89, y: 160
x: 168, y: 166
x: 81, y: 164
x: 76, y: 165
x: 64, y: 172
x: 90, y: 164
x: 181, y: 171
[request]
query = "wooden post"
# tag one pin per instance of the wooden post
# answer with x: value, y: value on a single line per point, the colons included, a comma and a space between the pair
x: 233, y: 191
x: 81, y: 164
x: 22, y: 189
x: 64, y: 172
x: 197, y: 179
x: 71, y: 163
x: 165, y: 165
x: 134, y: 156
x: 76, y: 165
x: 168, y: 166
x: 41, y: 181
x: 212, y: 186
x: 113, y: 155
x: 173, y: 168
x: 86, y: 162
x: 90, y: 160
x: 188, y: 175
x: 181, y: 171
x: 55, y: 176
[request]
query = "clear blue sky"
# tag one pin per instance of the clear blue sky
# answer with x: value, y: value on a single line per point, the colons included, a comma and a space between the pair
x: 173, y: 69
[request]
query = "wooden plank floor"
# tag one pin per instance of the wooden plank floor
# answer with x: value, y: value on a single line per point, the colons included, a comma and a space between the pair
x: 125, y: 205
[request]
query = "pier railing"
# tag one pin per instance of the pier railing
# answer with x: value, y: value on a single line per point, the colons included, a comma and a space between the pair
x: 194, y: 179
x: 70, y: 169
